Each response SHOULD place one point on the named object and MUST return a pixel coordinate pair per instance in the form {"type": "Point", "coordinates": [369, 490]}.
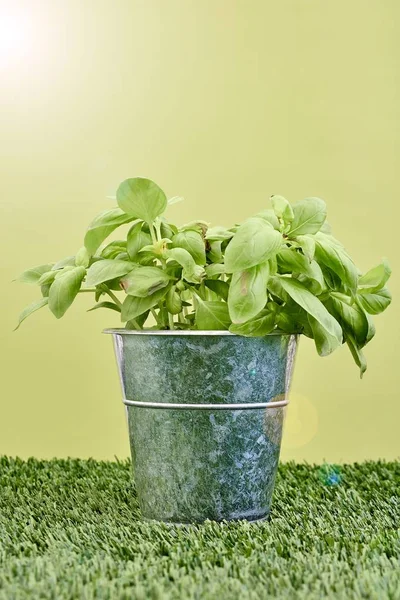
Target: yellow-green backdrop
{"type": "Point", "coordinates": [224, 102]}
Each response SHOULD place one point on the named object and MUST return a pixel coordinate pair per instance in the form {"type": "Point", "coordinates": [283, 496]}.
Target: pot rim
{"type": "Point", "coordinates": [202, 332]}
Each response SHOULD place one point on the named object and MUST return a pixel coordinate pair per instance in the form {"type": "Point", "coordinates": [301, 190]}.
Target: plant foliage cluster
{"type": "Point", "coordinates": [281, 270]}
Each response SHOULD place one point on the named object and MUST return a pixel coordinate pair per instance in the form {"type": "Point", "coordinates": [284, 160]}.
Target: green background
{"type": "Point", "coordinates": [224, 102]}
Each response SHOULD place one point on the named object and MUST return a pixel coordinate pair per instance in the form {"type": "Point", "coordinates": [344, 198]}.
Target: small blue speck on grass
{"type": "Point", "coordinates": [330, 475]}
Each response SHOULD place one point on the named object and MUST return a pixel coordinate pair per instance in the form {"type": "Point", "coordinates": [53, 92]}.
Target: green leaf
{"type": "Point", "coordinates": [175, 200]}
{"type": "Point", "coordinates": [167, 230]}
{"type": "Point", "coordinates": [352, 319]}
{"type": "Point", "coordinates": [218, 234]}
{"type": "Point", "coordinates": [173, 301]}
{"type": "Point", "coordinates": [357, 354]}
{"type": "Point", "coordinates": [248, 293]}
{"type": "Point", "coordinates": [307, 244]}
{"type": "Point", "coordinates": [192, 242]}
{"type": "Point", "coordinates": [144, 281]}
{"type": "Point", "coordinates": [107, 269]}
{"type": "Point", "coordinates": [45, 289]}
{"type": "Point", "coordinates": [261, 325]}
{"type": "Point", "coordinates": [282, 209]}
{"type": "Point", "coordinates": [269, 216]}
{"type": "Point", "coordinates": [141, 198]}
{"type": "Point", "coordinates": [64, 290]}
{"type": "Point", "coordinates": [215, 252]}
{"type": "Point", "coordinates": [292, 261]}
{"type": "Point", "coordinates": [69, 261]}
{"type": "Point", "coordinates": [254, 242]}
{"type": "Point", "coordinates": [198, 226]}
{"type": "Point", "coordinates": [212, 315]}
{"type": "Point", "coordinates": [101, 227]}
{"type": "Point", "coordinates": [325, 342]}
{"type": "Point", "coordinates": [309, 216]}
{"type": "Point", "coordinates": [215, 269]}
{"type": "Point", "coordinates": [337, 260]}
{"type": "Point", "coordinates": [137, 239]}
{"type": "Point", "coordinates": [221, 288]}
{"type": "Point", "coordinates": [82, 258]}
{"type": "Point", "coordinates": [133, 306]}
{"type": "Point", "coordinates": [47, 278]}
{"type": "Point", "coordinates": [34, 274]}
{"type": "Point", "coordinates": [300, 294]}
{"type": "Point", "coordinates": [191, 272]}
{"type": "Point", "coordinates": [31, 309]}
{"type": "Point", "coordinates": [110, 305]}
{"type": "Point", "coordinates": [376, 278]}
{"type": "Point", "coordinates": [375, 303]}
{"type": "Point", "coordinates": [113, 249]}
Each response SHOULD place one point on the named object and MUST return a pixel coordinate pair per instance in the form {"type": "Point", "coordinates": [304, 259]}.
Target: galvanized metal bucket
{"type": "Point", "coordinates": [205, 414]}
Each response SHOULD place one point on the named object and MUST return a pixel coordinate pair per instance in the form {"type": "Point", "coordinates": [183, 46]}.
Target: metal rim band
{"type": "Point", "coordinates": [250, 406]}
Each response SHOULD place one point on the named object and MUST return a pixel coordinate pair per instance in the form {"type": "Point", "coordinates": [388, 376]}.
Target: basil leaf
{"type": "Point", "coordinates": [34, 274]}
{"type": "Point", "coordinates": [137, 239]}
{"type": "Point", "coordinates": [337, 260]}
{"type": "Point", "coordinates": [291, 317]}
{"type": "Point", "coordinates": [300, 294]}
{"type": "Point", "coordinates": [110, 305]}
{"type": "Point", "coordinates": [218, 234]}
{"type": "Point", "coordinates": [376, 302]}
{"type": "Point", "coordinates": [214, 269]}
{"type": "Point", "coordinates": [175, 200]}
{"type": "Point", "coordinates": [113, 249]}
{"type": "Point", "coordinates": [309, 216]}
{"type": "Point", "coordinates": [69, 261]}
{"type": "Point", "coordinates": [215, 253]}
{"type": "Point", "coordinates": [269, 216]}
{"type": "Point", "coordinates": [133, 306]}
{"type": "Point", "coordinates": [144, 281]}
{"type": "Point", "coordinates": [307, 244]}
{"type": "Point", "coordinates": [167, 230]}
{"type": "Point", "coordinates": [101, 227]}
{"type": "Point", "coordinates": [352, 319]}
{"type": "Point", "coordinates": [31, 309]}
{"type": "Point", "coordinates": [64, 290]}
{"type": "Point", "coordinates": [248, 293]}
{"type": "Point", "coordinates": [325, 342]}
{"type": "Point", "coordinates": [191, 272]}
{"type": "Point", "coordinates": [357, 354]}
{"type": "Point", "coordinates": [282, 209]}
{"type": "Point", "coordinates": [291, 261]}
{"type": "Point", "coordinates": [212, 315]}
{"type": "Point", "coordinates": [173, 301]}
{"type": "Point", "coordinates": [141, 198]}
{"type": "Point", "coordinates": [192, 242]}
{"type": "Point", "coordinates": [82, 258]}
{"type": "Point", "coordinates": [261, 325]}
{"type": "Point", "coordinates": [375, 278]}
{"type": "Point", "coordinates": [47, 278]}
{"type": "Point", "coordinates": [254, 242]}
{"type": "Point", "coordinates": [221, 288]}
{"type": "Point", "coordinates": [107, 269]}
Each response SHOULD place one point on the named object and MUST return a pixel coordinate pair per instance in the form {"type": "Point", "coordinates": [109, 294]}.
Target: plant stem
{"type": "Point", "coordinates": [114, 297]}
{"type": "Point", "coordinates": [155, 315]}
{"type": "Point", "coordinates": [86, 290]}
{"type": "Point", "coordinates": [171, 321]}
{"type": "Point", "coordinates": [152, 233]}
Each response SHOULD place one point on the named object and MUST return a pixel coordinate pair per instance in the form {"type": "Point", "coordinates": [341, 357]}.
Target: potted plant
{"type": "Point", "coordinates": [211, 319]}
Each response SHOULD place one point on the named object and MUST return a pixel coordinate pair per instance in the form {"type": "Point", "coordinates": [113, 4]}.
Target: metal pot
{"type": "Point", "coordinates": [205, 414]}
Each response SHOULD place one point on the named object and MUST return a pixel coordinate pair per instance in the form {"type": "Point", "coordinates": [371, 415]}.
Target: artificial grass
{"type": "Point", "coordinates": [70, 529]}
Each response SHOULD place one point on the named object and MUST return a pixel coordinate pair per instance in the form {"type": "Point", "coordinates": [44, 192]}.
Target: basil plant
{"type": "Point", "coordinates": [280, 271]}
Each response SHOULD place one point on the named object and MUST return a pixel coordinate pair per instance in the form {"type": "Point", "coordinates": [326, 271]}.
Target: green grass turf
{"type": "Point", "coordinates": [71, 529]}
